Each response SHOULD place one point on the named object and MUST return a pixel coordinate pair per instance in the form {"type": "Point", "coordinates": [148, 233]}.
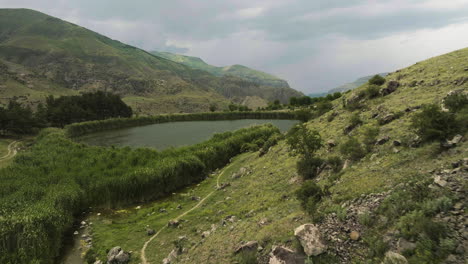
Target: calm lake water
{"type": "Point", "coordinates": [175, 134]}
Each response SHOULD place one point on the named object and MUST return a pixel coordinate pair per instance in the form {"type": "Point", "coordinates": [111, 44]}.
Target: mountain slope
{"type": "Point", "coordinates": [234, 70]}
{"type": "Point", "coordinates": [377, 197]}
{"type": "Point", "coordinates": [41, 55]}
{"type": "Point", "coordinates": [352, 85]}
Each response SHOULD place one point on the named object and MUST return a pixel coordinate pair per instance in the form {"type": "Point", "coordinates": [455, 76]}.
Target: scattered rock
{"type": "Point", "coordinates": [387, 119]}
{"type": "Point", "coordinates": [195, 198]}
{"type": "Point", "coordinates": [76, 233]}
{"type": "Point", "coordinates": [283, 255]}
{"type": "Point", "coordinates": [354, 235]}
{"type": "Point", "coordinates": [118, 256]}
{"type": "Point", "coordinates": [382, 140]}
{"type": "Point", "coordinates": [205, 234]}
{"type": "Point", "coordinates": [394, 258]}
{"type": "Point", "coordinates": [311, 239]}
{"type": "Point", "coordinates": [162, 210]}
{"type": "Point", "coordinates": [138, 207]}
{"type": "Point", "coordinates": [453, 142]}
{"type": "Point", "coordinates": [150, 232]}
{"type": "Point", "coordinates": [249, 246]}
{"type": "Point", "coordinates": [396, 143]}
{"type": "Point", "coordinates": [173, 223]}
{"type": "Point", "coordinates": [331, 143]}
{"type": "Point", "coordinates": [391, 87]}
{"type": "Point", "coordinates": [404, 245]}
{"type": "Point", "coordinates": [439, 181]}
{"type": "Point", "coordinates": [179, 206]}
{"type": "Point", "coordinates": [263, 221]}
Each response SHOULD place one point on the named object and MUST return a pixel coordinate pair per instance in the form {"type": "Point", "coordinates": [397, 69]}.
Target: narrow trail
{"type": "Point", "coordinates": [11, 151]}
{"type": "Point", "coordinates": [143, 249]}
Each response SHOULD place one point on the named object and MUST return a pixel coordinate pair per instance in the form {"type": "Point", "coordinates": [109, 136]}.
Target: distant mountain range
{"type": "Point", "coordinates": [234, 70]}
{"type": "Point", "coordinates": [42, 55]}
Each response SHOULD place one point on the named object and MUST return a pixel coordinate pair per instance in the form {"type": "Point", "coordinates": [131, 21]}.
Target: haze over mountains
{"type": "Point", "coordinates": [42, 55]}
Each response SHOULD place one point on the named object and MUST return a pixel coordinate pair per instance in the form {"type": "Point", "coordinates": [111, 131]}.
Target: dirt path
{"type": "Point", "coordinates": [143, 249]}
{"type": "Point", "coordinates": [11, 151]}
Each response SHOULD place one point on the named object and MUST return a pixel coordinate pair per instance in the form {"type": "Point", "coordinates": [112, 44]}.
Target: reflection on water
{"type": "Point", "coordinates": [175, 134]}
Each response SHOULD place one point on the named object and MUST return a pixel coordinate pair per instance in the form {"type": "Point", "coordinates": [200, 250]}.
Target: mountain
{"type": "Point", "coordinates": [42, 55]}
{"type": "Point", "coordinates": [243, 72]}
{"type": "Point", "coordinates": [352, 85]}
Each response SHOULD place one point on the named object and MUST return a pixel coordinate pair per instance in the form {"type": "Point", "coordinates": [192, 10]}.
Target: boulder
{"type": "Point", "coordinates": [195, 198]}
{"type": "Point", "coordinates": [387, 119]}
{"type": "Point", "coordinates": [249, 246]}
{"type": "Point", "coordinates": [172, 256]}
{"type": "Point", "coordinates": [439, 181]}
{"type": "Point", "coordinates": [453, 142]}
{"type": "Point", "coordinates": [354, 235]}
{"type": "Point", "coordinates": [331, 143]}
{"type": "Point", "coordinates": [205, 234]}
{"type": "Point", "coordinates": [150, 232]}
{"type": "Point", "coordinates": [382, 140]}
{"type": "Point", "coordinates": [404, 245]}
{"type": "Point", "coordinates": [173, 223]}
{"type": "Point", "coordinates": [311, 239]}
{"type": "Point", "coordinates": [283, 255]}
{"type": "Point", "coordinates": [396, 143]}
{"type": "Point", "coordinates": [117, 256]}
{"type": "Point", "coordinates": [391, 87]}
{"type": "Point", "coordinates": [394, 258]}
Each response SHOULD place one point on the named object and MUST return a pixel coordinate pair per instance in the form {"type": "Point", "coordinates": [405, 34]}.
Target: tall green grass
{"type": "Point", "coordinates": [79, 129]}
{"type": "Point", "coordinates": [57, 178]}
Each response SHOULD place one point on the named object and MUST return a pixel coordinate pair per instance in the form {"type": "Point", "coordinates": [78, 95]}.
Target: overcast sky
{"type": "Point", "coordinates": [314, 44]}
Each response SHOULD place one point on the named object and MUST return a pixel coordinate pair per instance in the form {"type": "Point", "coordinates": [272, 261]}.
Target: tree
{"type": "Point", "coordinates": [306, 142]}
{"type": "Point", "coordinates": [213, 107]}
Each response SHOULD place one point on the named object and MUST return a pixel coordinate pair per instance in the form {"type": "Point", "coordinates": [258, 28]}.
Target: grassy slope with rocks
{"type": "Point", "coordinates": [353, 85]}
{"type": "Point", "coordinates": [235, 70]}
{"type": "Point", "coordinates": [41, 55]}
{"type": "Point", "coordinates": [380, 196]}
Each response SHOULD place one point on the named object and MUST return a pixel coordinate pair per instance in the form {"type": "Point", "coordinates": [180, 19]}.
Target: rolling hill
{"type": "Point", "coordinates": [42, 55]}
{"type": "Point", "coordinates": [352, 85]}
{"type": "Point", "coordinates": [240, 71]}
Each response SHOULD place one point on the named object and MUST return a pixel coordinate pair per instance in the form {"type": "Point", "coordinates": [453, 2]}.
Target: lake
{"type": "Point", "coordinates": [174, 134]}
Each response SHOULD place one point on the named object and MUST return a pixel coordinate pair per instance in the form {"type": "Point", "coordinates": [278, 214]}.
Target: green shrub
{"type": "Point", "coordinates": [414, 224]}
{"type": "Point", "coordinates": [335, 162]}
{"type": "Point", "coordinates": [434, 124]}
{"type": "Point", "coordinates": [370, 135]}
{"type": "Point", "coordinates": [366, 219]}
{"type": "Point", "coordinates": [309, 195]}
{"type": "Point", "coordinates": [372, 91]}
{"type": "Point", "coordinates": [304, 141]}
{"type": "Point", "coordinates": [352, 149]}
{"type": "Point", "coordinates": [303, 115]}
{"type": "Point", "coordinates": [355, 120]}
{"type": "Point", "coordinates": [377, 80]}
{"type": "Point", "coordinates": [456, 102]}
{"type": "Point", "coordinates": [309, 167]}
{"type": "Point", "coordinates": [323, 107]}
{"type": "Point", "coordinates": [432, 207]}
{"type": "Point", "coordinates": [377, 247]}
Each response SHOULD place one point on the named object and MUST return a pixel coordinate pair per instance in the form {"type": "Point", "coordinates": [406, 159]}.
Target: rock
{"type": "Point", "coordinates": [283, 255]}
{"type": "Point", "coordinates": [439, 181]}
{"type": "Point", "coordinates": [348, 129]}
{"type": "Point", "coordinates": [223, 186]}
{"type": "Point", "coordinates": [391, 87]}
{"type": "Point", "coordinates": [382, 140]}
{"type": "Point", "coordinates": [83, 223]}
{"type": "Point", "coordinates": [396, 143]}
{"type": "Point", "coordinates": [263, 221]}
{"type": "Point", "coordinates": [117, 256]}
{"type": "Point", "coordinates": [179, 206]}
{"type": "Point", "coordinates": [138, 207]}
{"type": "Point", "coordinates": [387, 119]}
{"type": "Point", "coordinates": [76, 233]}
{"type": "Point", "coordinates": [453, 142]}
{"type": "Point", "coordinates": [205, 234]}
{"type": "Point", "coordinates": [331, 143]}
{"type": "Point", "coordinates": [346, 164]}
{"type": "Point", "coordinates": [311, 239]}
{"type": "Point", "coordinates": [195, 198]}
{"type": "Point", "coordinates": [173, 223]}
{"type": "Point", "coordinates": [354, 235]}
{"type": "Point", "coordinates": [162, 210]}
{"type": "Point", "coordinates": [98, 262]}
{"type": "Point", "coordinates": [249, 246]}
{"type": "Point", "coordinates": [395, 150]}
{"type": "Point", "coordinates": [451, 259]}
{"type": "Point", "coordinates": [394, 258]}
{"type": "Point", "coordinates": [404, 245]}
{"type": "Point", "coordinates": [150, 232]}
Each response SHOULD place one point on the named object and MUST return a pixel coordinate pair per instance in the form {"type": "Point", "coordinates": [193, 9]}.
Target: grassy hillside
{"type": "Point", "coordinates": [388, 197]}
{"type": "Point", "coordinates": [352, 85]}
{"type": "Point", "coordinates": [41, 55]}
{"type": "Point", "coordinates": [234, 70]}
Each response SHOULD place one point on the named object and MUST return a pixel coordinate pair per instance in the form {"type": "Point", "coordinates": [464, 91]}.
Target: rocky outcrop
{"type": "Point", "coordinates": [391, 87]}
{"type": "Point", "coordinates": [248, 246]}
{"type": "Point", "coordinates": [453, 142]}
{"type": "Point", "coordinates": [394, 258]}
{"type": "Point", "coordinates": [117, 256]}
{"type": "Point", "coordinates": [283, 255]}
{"type": "Point", "coordinates": [311, 239]}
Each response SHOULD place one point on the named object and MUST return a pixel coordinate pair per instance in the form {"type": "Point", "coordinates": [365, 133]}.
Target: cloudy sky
{"type": "Point", "coordinates": [314, 44]}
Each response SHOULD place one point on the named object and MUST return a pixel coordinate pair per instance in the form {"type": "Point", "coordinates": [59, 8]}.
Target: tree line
{"type": "Point", "coordinates": [58, 112]}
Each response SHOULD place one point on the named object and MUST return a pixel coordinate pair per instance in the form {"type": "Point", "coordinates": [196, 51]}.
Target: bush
{"type": "Point", "coordinates": [370, 137]}
{"type": "Point", "coordinates": [377, 80]}
{"type": "Point", "coordinates": [336, 163]}
{"type": "Point", "coordinates": [306, 142]}
{"type": "Point", "coordinates": [352, 149]}
{"type": "Point", "coordinates": [372, 91]}
{"type": "Point", "coordinates": [432, 207]}
{"type": "Point", "coordinates": [456, 102]}
{"type": "Point", "coordinates": [303, 115]}
{"type": "Point", "coordinates": [415, 224]}
{"type": "Point", "coordinates": [309, 167]}
{"type": "Point", "coordinates": [247, 257]}
{"type": "Point", "coordinates": [309, 195]}
{"type": "Point", "coordinates": [434, 124]}
{"type": "Point", "coordinates": [323, 107]}
{"type": "Point", "coordinates": [355, 120]}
